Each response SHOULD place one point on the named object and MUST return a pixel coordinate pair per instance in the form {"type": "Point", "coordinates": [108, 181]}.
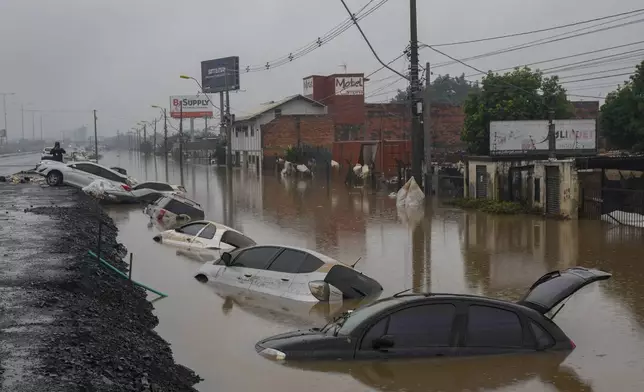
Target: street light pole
{"type": "Point", "coordinates": [95, 137]}
{"type": "Point", "coordinates": [181, 140]}
{"type": "Point", "coordinates": [33, 125]}
{"type": "Point", "coordinates": [4, 110]}
{"type": "Point", "coordinates": [22, 110]}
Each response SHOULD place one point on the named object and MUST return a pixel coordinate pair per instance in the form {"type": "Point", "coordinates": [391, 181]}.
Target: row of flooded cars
{"type": "Point", "coordinates": [404, 325]}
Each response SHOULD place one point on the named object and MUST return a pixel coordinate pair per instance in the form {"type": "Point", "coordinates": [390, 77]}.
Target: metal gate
{"type": "Point", "coordinates": [553, 187]}
{"type": "Point", "coordinates": [515, 185]}
{"type": "Point", "coordinates": [481, 182]}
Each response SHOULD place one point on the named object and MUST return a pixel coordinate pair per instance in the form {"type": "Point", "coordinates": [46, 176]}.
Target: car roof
{"type": "Point", "coordinates": [412, 297]}
{"type": "Point", "coordinates": [326, 259]}
{"type": "Point", "coordinates": [219, 226]}
{"type": "Point", "coordinates": [99, 165]}
{"type": "Point", "coordinates": [182, 199]}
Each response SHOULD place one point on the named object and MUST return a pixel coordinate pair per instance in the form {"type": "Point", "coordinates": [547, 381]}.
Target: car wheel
{"type": "Point", "coordinates": [201, 278]}
{"type": "Point", "coordinates": [54, 178]}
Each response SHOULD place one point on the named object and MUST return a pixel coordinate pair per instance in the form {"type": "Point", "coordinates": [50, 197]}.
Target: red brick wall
{"type": "Point", "coordinates": [286, 131]}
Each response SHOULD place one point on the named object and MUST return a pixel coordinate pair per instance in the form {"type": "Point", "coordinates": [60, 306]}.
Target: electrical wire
{"type": "Point", "coordinates": [598, 78]}
{"type": "Point", "coordinates": [638, 11]}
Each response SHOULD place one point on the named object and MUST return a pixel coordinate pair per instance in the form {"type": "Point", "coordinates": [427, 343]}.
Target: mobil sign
{"type": "Point", "coordinates": [190, 106]}
{"type": "Point", "coordinates": [349, 85]}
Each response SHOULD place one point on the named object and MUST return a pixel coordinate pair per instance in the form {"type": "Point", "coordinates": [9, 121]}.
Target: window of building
{"type": "Point", "coordinates": [245, 130]}
{"type": "Point", "coordinates": [252, 130]}
{"type": "Point", "coordinates": [278, 112]}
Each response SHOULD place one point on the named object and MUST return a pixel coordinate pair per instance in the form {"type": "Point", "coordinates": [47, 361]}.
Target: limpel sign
{"type": "Point", "coordinates": [190, 106]}
{"type": "Point", "coordinates": [349, 85]}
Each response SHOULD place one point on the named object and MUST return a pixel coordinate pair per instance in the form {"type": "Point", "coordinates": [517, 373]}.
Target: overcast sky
{"type": "Point", "coordinates": [119, 57]}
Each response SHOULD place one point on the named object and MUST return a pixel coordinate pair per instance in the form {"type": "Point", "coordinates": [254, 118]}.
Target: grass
{"type": "Point", "coordinates": [494, 206]}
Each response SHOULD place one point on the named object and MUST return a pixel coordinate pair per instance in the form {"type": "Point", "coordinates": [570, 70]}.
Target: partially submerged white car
{"type": "Point", "coordinates": [288, 272]}
{"type": "Point", "coordinates": [204, 235]}
{"type": "Point", "coordinates": [146, 192]}
{"type": "Point", "coordinates": [81, 174]}
{"type": "Point", "coordinates": [170, 211]}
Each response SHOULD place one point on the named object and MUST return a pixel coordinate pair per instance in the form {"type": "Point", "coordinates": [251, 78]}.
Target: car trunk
{"type": "Point", "coordinates": [554, 287]}
{"type": "Point", "coordinates": [352, 283]}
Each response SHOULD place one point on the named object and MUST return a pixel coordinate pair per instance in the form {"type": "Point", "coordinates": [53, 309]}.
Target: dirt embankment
{"type": "Point", "coordinates": [66, 322]}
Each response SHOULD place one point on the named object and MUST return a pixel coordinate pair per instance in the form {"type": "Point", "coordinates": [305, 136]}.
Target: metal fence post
{"type": "Point", "coordinates": [129, 274]}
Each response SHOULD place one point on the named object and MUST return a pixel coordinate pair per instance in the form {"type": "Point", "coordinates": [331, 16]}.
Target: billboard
{"type": "Point", "coordinates": [194, 106]}
{"type": "Point", "coordinates": [220, 74]}
{"type": "Point", "coordinates": [349, 85]}
{"type": "Point", "coordinates": [307, 89]}
{"type": "Point", "coordinates": [575, 136]}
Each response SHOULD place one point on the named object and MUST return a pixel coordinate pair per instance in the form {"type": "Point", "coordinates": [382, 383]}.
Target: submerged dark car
{"type": "Point", "coordinates": [437, 325]}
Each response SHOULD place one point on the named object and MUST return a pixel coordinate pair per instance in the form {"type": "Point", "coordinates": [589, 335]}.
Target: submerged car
{"type": "Point", "coordinates": [146, 192]}
{"type": "Point", "coordinates": [440, 325]}
{"type": "Point", "coordinates": [288, 272]}
{"type": "Point", "coordinates": [174, 210]}
{"type": "Point", "coordinates": [204, 235]}
{"type": "Point", "coordinates": [81, 174]}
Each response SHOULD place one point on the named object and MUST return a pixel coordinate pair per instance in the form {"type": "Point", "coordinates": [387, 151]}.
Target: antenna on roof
{"type": "Point", "coordinates": [410, 289]}
{"type": "Point", "coordinates": [343, 66]}
{"type": "Point", "coordinates": [354, 264]}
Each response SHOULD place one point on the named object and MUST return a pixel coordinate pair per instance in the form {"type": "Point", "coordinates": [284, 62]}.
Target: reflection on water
{"type": "Point", "coordinates": [439, 249]}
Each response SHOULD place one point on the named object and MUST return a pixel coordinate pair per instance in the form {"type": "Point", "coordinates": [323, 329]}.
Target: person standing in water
{"type": "Point", "coordinates": [57, 152]}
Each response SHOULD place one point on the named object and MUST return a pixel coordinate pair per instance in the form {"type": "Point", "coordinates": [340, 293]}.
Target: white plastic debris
{"type": "Point", "coordinates": [410, 194]}
{"type": "Point", "coordinates": [302, 168]}
{"type": "Point", "coordinates": [288, 169]}
{"type": "Point", "coordinates": [99, 189]}
{"type": "Point", "coordinates": [357, 169]}
{"type": "Point", "coordinates": [618, 217]}
{"type": "Point", "coordinates": [365, 171]}
{"type": "Point", "coordinates": [335, 164]}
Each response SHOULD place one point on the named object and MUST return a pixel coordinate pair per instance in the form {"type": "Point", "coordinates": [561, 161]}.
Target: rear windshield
{"type": "Point", "coordinates": [237, 240]}
{"type": "Point", "coordinates": [180, 208]}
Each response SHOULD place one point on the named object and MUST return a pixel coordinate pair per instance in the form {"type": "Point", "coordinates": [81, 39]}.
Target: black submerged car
{"type": "Point", "coordinates": [436, 325]}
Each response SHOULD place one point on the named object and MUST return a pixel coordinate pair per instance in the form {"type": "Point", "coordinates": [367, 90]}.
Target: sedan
{"type": "Point", "coordinates": [288, 272]}
{"type": "Point", "coordinates": [146, 192]}
{"type": "Point", "coordinates": [204, 235]}
{"type": "Point", "coordinates": [441, 325]}
{"type": "Point", "coordinates": [81, 174]}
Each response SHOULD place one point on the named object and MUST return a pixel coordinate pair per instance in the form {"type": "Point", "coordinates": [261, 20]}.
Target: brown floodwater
{"type": "Point", "coordinates": [441, 249]}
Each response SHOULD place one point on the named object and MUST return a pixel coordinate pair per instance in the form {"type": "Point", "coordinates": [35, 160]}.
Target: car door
{"type": "Point", "coordinates": [204, 238]}
{"type": "Point", "coordinates": [80, 175]}
{"type": "Point", "coordinates": [182, 237]}
{"type": "Point", "coordinates": [246, 264]}
{"type": "Point", "coordinates": [425, 330]}
{"type": "Point", "coordinates": [280, 274]}
{"type": "Point", "coordinates": [494, 330]}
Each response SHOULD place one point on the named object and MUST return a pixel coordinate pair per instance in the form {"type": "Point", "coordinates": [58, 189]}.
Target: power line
{"type": "Point", "coordinates": [540, 30]}
{"type": "Point", "coordinates": [595, 73]}
{"type": "Point", "coordinates": [537, 42]}
{"type": "Point", "coordinates": [597, 78]}
{"type": "Point", "coordinates": [595, 61]}
{"type": "Point", "coordinates": [328, 37]}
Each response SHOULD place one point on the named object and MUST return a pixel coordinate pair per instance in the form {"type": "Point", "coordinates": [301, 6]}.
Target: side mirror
{"type": "Point", "coordinates": [226, 258]}
{"type": "Point", "coordinates": [383, 342]}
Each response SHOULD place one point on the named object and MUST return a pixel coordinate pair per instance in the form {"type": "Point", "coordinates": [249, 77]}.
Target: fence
{"type": "Point", "coordinates": [611, 194]}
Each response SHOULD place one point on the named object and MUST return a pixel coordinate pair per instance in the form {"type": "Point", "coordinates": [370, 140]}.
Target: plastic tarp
{"type": "Point", "coordinates": [410, 195]}
{"type": "Point", "coordinates": [99, 189]}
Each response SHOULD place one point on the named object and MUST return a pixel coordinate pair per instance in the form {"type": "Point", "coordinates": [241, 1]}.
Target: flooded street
{"type": "Point", "coordinates": [448, 250]}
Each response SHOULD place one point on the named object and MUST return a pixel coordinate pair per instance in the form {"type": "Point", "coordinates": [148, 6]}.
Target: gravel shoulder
{"type": "Point", "coordinates": [66, 322]}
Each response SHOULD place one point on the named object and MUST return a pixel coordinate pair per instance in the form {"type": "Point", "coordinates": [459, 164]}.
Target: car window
{"type": "Point", "coordinates": [310, 264]}
{"type": "Point", "coordinates": [363, 313]}
{"type": "Point", "coordinates": [288, 261]}
{"type": "Point", "coordinates": [257, 258]}
{"type": "Point", "coordinates": [109, 175]}
{"type": "Point", "coordinates": [208, 232]}
{"type": "Point", "coordinates": [87, 168]}
{"type": "Point", "coordinates": [422, 326]}
{"type": "Point", "coordinates": [377, 330]}
{"type": "Point", "coordinates": [237, 240]}
{"type": "Point", "coordinates": [544, 340]}
{"type": "Point", "coordinates": [191, 229]}
{"type": "Point", "coordinates": [493, 327]}
{"type": "Point", "coordinates": [179, 208]}
{"type": "Point", "coordinates": [156, 186]}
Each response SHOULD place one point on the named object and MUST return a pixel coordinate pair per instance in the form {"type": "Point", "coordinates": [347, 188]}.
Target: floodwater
{"type": "Point", "coordinates": [447, 250]}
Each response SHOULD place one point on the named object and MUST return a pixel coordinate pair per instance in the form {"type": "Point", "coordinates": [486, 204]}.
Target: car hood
{"type": "Point", "coordinates": [309, 340]}
{"type": "Point", "coordinates": [554, 287]}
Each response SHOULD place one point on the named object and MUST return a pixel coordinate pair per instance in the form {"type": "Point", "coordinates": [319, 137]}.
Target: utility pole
{"type": "Point", "coordinates": [552, 140]}
{"type": "Point", "coordinates": [22, 110]}
{"type": "Point", "coordinates": [416, 127]}
{"type": "Point", "coordinates": [4, 110]}
{"type": "Point", "coordinates": [428, 132]}
{"type": "Point", "coordinates": [154, 147]}
{"type": "Point", "coordinates": [229, 134]}
{"type": "Point", "coordinates": [222, 128]}
{"type": "Point", "coordinates": [33, 125]}
{"type": "Point", "coordinates": [41, 138]}
{"type": "Point", "coordinates": [145, 139]}
{"type": "Point", "coordinates": [181, 140]}
{"type": "Point", "coordinates": [95, 137]}
{"type": "Point", "coordinates": [165, 137]}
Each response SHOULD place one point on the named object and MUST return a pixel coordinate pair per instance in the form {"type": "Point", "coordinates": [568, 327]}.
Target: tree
{"type": "Point", "coordinates": [522, 94]}
{"type": "Point", "coordinates": [444, 89]}
{"type": "Point", "coordinates": [622, 115]}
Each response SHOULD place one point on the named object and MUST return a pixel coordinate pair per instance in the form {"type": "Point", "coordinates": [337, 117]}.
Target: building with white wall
{"type": "Point", "coordinates": [246, 136]}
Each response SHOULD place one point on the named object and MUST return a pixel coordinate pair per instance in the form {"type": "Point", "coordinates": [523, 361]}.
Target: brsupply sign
{"type": "Point", "coordinates": [349, 85]}
{"type": "Point", "coordinates": [525, 136]}
{"type": "Point", "coordinates": [190, 106]}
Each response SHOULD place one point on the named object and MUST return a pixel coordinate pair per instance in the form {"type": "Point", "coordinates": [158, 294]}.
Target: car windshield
{"type": "Point", "coordinates": [345, 324]}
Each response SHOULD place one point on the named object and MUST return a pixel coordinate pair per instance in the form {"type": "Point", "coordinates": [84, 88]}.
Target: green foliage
{"type": "Point", "coordinates": [291, 154]}
{"type": "Point", "coordinates": [444, 89]}
{"type": "Point", "coordinates": [522, 94]}
{"type": "Point", "coordinates": [494, 206]}
{"type": "Point", "coordinates": [622, 115]}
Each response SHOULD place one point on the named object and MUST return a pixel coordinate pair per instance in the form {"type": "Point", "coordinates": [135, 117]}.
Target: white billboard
{"type": "Point", "coordinates": [190, 106]}
{"type": "Point", "coordinates": [307, 89]}
{"type": "Point", "coordinates": [349, 85]}
{"type": "Point", "coordinates": [523, 136]}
